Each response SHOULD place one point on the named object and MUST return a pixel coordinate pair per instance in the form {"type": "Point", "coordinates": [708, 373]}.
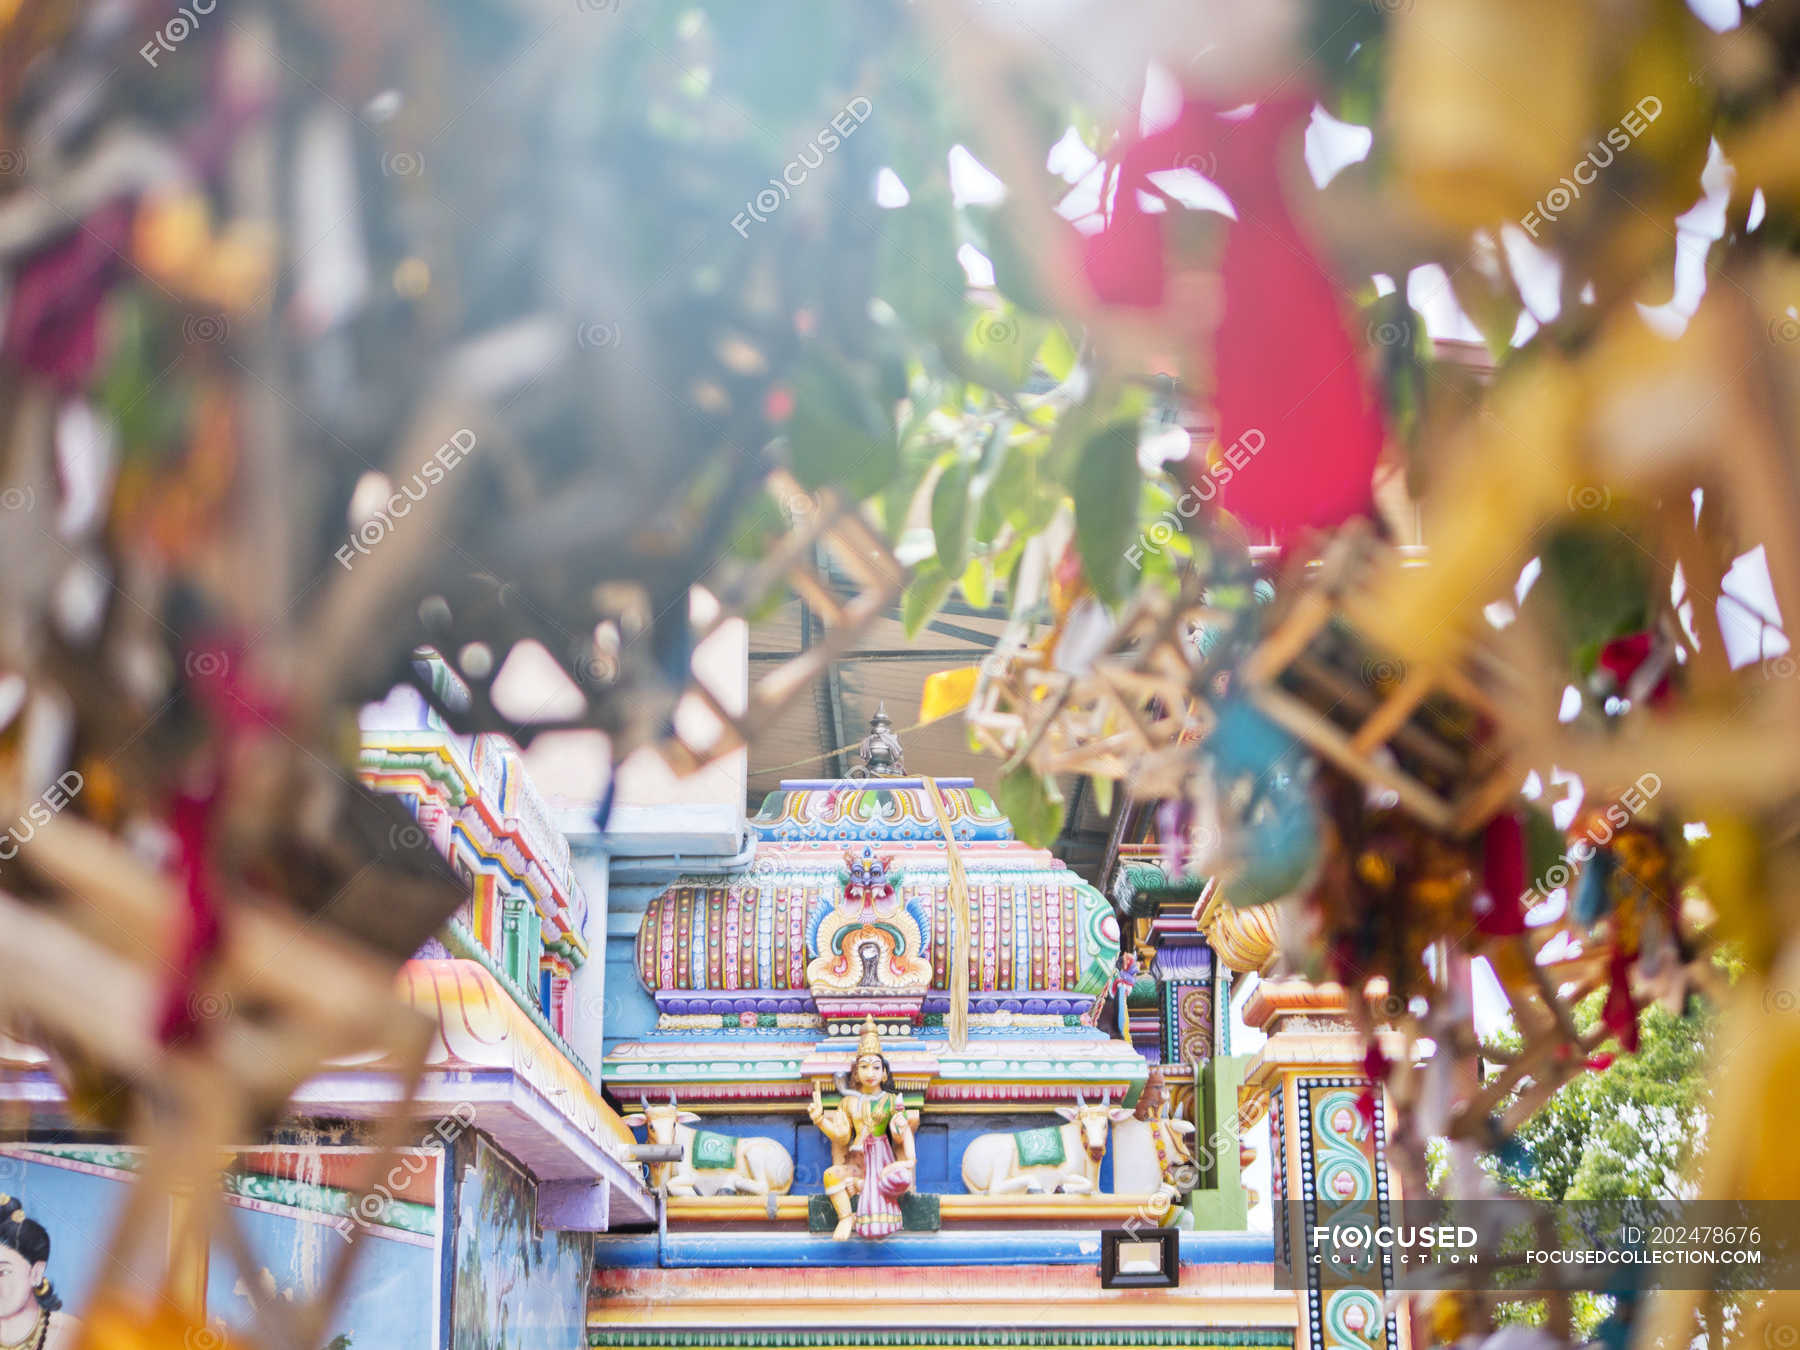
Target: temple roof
{"type": "Point", "coordinates": [896, 810]}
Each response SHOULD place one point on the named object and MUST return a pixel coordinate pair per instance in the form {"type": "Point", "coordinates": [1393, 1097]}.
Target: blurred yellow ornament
{"type": "Point", "coordinates": [1661, 62]}
{"type": "Point", "coordinates": [1449, 1318]}
{"type": "Point", "coordinates": [1489, 104]}
{"type": "Point", "coordinates": [240, 270]}
{"type": "Point", "coordinates": [1511, 466]}
{"type": "Point", "coordinates": [412, 277]}
{"type": "Point", "coordinates": [173, 242]}
{"type": "Point", "coordinates": [1763, 154]}
{"type": "Point", "coordinates": [947, 691]}
{"type": "Point", "coordinates": [113, 1325]}
{"type": "Point", "coordinates": [170, 235]}
{"type": "Point", "coordinates": [1730, 867]}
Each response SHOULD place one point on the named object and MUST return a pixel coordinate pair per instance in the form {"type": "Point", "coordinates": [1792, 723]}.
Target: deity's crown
{"type": "Point", "coordinates": [869, 1043]}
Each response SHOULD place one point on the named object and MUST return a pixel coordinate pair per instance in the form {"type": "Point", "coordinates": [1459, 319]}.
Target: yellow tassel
{"type": "Point", "coordinates": [957, 1024]}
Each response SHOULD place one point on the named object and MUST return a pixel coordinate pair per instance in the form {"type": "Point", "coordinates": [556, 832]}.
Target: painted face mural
{"type": "Point", "coordinates": [17, 1276]}
{"type": "Point", "coordinates": [30, 1311]}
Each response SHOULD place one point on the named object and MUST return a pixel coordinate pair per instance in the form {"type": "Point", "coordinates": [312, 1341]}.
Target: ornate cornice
{"type": "Point", "coordinates": [1245, 939]}
{"type": "Point", "coordinates": [490, 1066]}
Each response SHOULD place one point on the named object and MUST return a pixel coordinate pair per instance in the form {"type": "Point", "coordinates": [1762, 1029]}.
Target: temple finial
{"type": "Point", "coordinates": [880, 754]}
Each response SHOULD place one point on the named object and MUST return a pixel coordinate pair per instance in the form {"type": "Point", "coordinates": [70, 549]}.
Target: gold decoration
{"type": "Point", "coordinates": [869, 1043]}
{"type": "Point", "coordinates": [957, 1024]}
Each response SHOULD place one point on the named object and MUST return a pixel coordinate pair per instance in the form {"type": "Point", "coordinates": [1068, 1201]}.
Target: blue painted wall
{"type": "Point", "coordinates": [513, 1286]}
{"type": "Point", "coordinates": [391, 1297]}
{"type": "Point", "coordinates": [393, 1286]}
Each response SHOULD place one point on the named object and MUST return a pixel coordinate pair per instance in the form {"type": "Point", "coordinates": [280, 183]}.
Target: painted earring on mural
{"type": "Point", "coordinates": [43, 1286]}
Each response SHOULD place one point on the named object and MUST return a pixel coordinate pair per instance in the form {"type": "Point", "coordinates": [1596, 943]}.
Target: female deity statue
{"type": "Point", "coordinates": [871, 1144]}
{"type": "Point", "coordinates": [31, 1316]}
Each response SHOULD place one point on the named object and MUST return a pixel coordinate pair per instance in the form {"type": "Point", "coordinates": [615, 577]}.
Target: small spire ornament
{"type": "Point", "coordinates": [880, 755]}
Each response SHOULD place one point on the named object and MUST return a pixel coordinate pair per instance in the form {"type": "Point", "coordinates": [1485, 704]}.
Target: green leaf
{"type": "Point", "coordinates": [923, 598]}
{"type": "Point", "coordinates": [988, 515]}
{"type": "Point", "coordinates": [978, 583]}
{"type": "Point", "coordinates": [1103, 794]}
{"type": "Point", "coordinates": [1058, 354]}
{"type": "Point", "coordinates": [838, 434]}
{"type": "Point", "coordinates": [1021, 493]}
{"type": "Point", "coordinates": [950, 515]}
{"type": "Point", "coordinates": [1033, 804]}
{"type": "Point", "coordinates": [1597, 575]}
{"type": "Point", "coordinates": [1106, 497]}
{"type": "Point", "coordinates": [918, 272]}
{"type": "Point", "coordinates": [1014, 275]}
{"type": "Point", "coordinates": [1544, 843]}
{"type": "Point", "coordinates": [1002, 346]}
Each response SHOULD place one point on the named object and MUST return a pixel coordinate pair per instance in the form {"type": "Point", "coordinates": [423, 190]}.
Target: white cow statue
{"type": "Point", "coordinates": [1062, 1158]}
{"type": "Point", "coordinates": [1153, 1157]}
{"type": "Point", "coordinates": [711, 1163]}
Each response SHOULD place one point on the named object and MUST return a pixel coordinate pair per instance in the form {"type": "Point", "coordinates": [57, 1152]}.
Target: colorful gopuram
{"type": "Point", "coordinates": [856, 1147]}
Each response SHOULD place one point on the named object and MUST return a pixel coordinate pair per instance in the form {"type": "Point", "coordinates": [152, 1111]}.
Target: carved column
{"type": "Point", "coordinates": [1327, 1153]}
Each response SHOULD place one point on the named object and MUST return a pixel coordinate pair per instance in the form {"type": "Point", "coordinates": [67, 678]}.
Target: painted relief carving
{"type": "Point", "coordinates": [869, 949]}
{"type": "Point", "coordinates": [873, 1161]}
{"type": "Point", "coordinates": [1064, 1158]}
{"type": "Point", "coordinates": [710, 1163]}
